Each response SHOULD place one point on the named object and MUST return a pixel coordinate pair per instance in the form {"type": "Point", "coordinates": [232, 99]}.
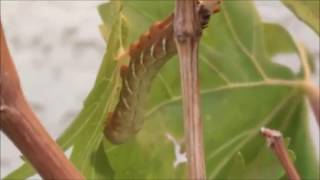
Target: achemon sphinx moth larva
{"type": "Point", "coordinates": [147, 55]}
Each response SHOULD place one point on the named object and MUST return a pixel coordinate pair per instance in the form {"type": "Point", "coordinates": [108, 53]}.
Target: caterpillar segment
{"type": "Point", "coordinates": [147, 55]}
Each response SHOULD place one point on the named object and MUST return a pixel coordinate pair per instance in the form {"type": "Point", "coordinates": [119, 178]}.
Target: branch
{"type": "Point", "coordinates": [187, 32]}
{"type": "Point", "coordinates": [22, 126]}
{"type": "Point", "coordinates": [276, 143]}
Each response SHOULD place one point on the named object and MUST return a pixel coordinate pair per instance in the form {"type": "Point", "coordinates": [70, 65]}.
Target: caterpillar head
{"type": "Point", "coordinates": [206, 8]}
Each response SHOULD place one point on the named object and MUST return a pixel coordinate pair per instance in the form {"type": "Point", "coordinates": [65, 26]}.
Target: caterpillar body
{"type": "Point", "coordinates": [147, 55]}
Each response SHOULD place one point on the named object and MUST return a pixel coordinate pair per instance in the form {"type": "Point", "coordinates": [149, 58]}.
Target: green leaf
{"type": "Point", "coordinates": [307, 11]}
{"type": "Point", "coordinates": [85, 133]}
{"type": "Point", "coordinates": [285, 44]}
{"type": "Point", "coordinates": [242, 90]}
{"type": "Point", "coordinates": [100, 160]}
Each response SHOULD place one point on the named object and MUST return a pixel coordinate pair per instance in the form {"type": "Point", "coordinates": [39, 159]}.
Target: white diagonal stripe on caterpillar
{"type": "Point", "coordinates": [141, 62]}
{"type": "Point", "coordinates": [164, 46]}
{"type": "Point", "coordinates": [152, 52]}
{"type": "Point", "coordinates": [128, 86]}
{"type": "Point", "coordinates": [125, 102]}
{"type": "Point", "coordinates": [134, 74]}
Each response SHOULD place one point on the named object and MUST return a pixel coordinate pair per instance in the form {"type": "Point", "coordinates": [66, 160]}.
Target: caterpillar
{"type": "Point", "coordinates": [147, 55]}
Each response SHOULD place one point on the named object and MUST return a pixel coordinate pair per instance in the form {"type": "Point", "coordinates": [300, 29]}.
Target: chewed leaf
{"type": "Point", "coordinates": [285, 45]}
{"type": "Point", "coordinates": [104, 32]}
{"type": "Point", "coordinates": [307, 11]}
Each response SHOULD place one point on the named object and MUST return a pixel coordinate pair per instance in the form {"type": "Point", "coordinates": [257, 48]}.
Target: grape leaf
{"type": "Point", "coordinates": [241, 91]}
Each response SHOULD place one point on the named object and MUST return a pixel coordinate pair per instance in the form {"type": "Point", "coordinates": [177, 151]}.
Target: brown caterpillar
{"type": "Point", "coordinates": [147, 55]}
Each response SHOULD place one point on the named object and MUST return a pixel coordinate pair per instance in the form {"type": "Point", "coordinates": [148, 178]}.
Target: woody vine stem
{"type": "Point", "coordinates": [22, 126]}
{"type": "Point", "coordinates": [276, 143]}
{"type": "Point", "coordinates": [187, 33]}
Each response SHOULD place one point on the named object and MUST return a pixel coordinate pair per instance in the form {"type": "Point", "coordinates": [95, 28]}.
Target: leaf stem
{"type": "Point", "coordinates": [310, 88]}
{"type": "Point", "coordinates": [313, 94]}
{"type": "Point", "coordinates": [276, 143]}
{"type": "Point", "coordinates": [304, 61]}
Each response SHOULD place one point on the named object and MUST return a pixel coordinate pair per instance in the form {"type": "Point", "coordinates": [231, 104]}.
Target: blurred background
{"type": "Point", "coordinates": [57, 49]}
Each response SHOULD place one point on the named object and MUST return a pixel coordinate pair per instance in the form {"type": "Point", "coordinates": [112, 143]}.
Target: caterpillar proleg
{"type": "Point", "coordinates": [147, 55]}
